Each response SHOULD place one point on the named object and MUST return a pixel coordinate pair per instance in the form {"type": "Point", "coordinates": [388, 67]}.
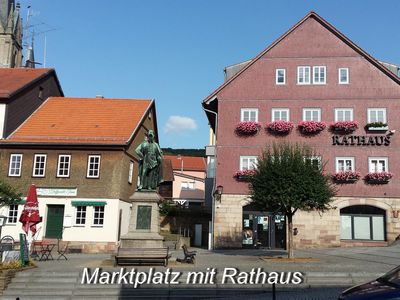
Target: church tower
{"type": "Point", "coordinates": [10, 34]}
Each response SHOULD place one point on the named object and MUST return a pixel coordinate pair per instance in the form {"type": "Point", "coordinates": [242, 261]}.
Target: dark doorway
{"type": "Point", "coordinates": [263, 229]}
{"type": "Point", "coordinates": [55, 219]}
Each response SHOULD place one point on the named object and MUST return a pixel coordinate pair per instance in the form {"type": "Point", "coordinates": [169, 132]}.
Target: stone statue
{"type": "Point", "coordinates": [150, 165]}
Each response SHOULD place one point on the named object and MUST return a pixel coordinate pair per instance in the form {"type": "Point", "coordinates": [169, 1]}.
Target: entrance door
{"type": "Point", "coordinates": [280, 232]}
{"type": "Point", "coordinates": [55, 218]}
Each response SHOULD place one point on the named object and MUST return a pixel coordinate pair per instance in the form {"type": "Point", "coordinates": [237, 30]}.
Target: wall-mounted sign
{"type": "Point", "coordinates": [361, 140]}
{"type": "Point", "coordinates": [65, 192]}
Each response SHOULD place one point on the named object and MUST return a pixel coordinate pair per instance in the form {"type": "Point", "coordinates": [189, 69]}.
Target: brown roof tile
{"type": "Point", "coordinates": [12, 80]}
{"type": "Point", "coordinates": [190, 163]}
{"type": "Point", "coordinates": [82, 121]}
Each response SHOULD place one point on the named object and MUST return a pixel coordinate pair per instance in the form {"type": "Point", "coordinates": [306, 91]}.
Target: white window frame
{"type": "Point", "coordinates": [340, 77]}
{"type": "Point", "coordinates": [14, 215]}
{"type": "Point", "coordinates": [317, 71]}
{"type": "Point", "coordinates": [15, 172]}
{"type": "Point", "coordinates": [249, 111]}
{"type": "Point", "coordinates": [84, 218]}
{"type": "Point", "coordinates": [34, 169]}
{"type": "Point", "coordinates": [130, 172]}
{"type": "Point", "coordinates": [337, 110]}
{"type": "Point", "coordinates": [385, 159]}
{"type": "Point", "coordinates": [99, 218]}
{"type": "Point", "coordinates": [280, 110]}
{"type": "Point", "coordinates": [59, 164]}
{"type": "Point", "coordinates": [277, 77]}
{"type": "Point", "coordinates": [312, 110]}
{"type": "Point", "coordinates": [377, 109]}
{"type": "Point", "coordinates": [94, 163]}
{"type": "Point", "coordinates": [314, 157]}
{"type": "Point", "coordinates": [350, 158]}
{"type": "Point", "coordinates": [188, 185]}
{"type": "Point", "coordinates": [248, 158]}
{"type": "Point", "coordinates": [302, 70]}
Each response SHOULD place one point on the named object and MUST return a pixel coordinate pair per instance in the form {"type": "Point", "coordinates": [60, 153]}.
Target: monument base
{"type": "Point", "coordinates": [144, 224]}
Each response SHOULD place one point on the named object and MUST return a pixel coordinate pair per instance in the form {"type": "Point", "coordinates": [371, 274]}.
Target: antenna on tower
{"type": "Point", "coordinates": [33, 31]}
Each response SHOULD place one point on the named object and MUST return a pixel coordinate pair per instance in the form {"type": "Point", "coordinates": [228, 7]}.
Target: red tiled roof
{"type": "Point", "coordinates": [14, 79]}
{"type": "Point", "coordinates": [190, 163]}
{"type": "Point", "coordinates": [82, 121]}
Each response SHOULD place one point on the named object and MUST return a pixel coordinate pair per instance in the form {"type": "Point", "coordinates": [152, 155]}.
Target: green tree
{"type": "Point", "coordinates": [287, 179]}
{"type": "Point", "coordinates": [8, 194]}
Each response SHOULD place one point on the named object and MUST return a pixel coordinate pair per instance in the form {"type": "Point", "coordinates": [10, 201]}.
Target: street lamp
{"type": "Point", "coordinates": [218, 193]}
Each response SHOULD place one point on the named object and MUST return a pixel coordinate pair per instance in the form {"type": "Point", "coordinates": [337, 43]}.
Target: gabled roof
{"type": "Point", "coordinates": [188, 163]}
{"type": "Point", "coordinates": [96, 121]}
{"type": "Point", "coordinates": [14, 80]}
{"type": "Point", "coordinates": [324, 23]}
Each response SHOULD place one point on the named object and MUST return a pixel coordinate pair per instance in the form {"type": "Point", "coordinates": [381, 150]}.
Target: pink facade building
{"type": "Point", "coordinates": [189, 177]}
{"type": "Point", "coordinates": [312, 73]}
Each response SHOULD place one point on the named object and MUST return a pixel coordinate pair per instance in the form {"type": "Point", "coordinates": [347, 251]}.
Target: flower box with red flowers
{"type": "Point", "coordinates": [244, 175]}
{"type": "Point", "coordinates": [280, 127]}
{"type": "Point", "coordinates": [311, 127]}
{"type": "Point", "coordinates": [344, 126]}
{"type": "Point", "coordinates": [346, 176]}
{"type": "Point", "coordinates": [378, 177]}
{"type": "Point", "coordinates": [247, 128]}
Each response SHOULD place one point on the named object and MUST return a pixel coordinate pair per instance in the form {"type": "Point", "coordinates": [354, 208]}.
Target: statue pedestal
{"type": "Point", "coordinates": [144, 224]}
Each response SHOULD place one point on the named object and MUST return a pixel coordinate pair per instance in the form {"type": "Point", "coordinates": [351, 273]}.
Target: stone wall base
{"type": "Point", "coordinates": [363, 244]}
{"type": "Point", "coordinates": [92, 247]}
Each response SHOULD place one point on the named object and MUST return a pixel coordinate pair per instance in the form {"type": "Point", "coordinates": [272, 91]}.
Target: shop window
{"type": "Point", "coordinates": [344, 164]}
{"type": "Point", "coordinates": [343, 75]}
{"type": "Point", "coordinates": [303, 75]}
{"type": "Point", "coordinates": [12, 214]}
{"type": "Point", "coordinates": [376, 115]}
{"type": "Point", "coordinates": [248, 163]}
{"type": "Point", "coordinates": [80, 215]}
{"type": "Point", "coordinates": [249, 114]}
{"type": "Point", "coordinates": [93, 167]}
{"type": "Point", "coordinates": [378, 164]}
{"type": "Point", "coordinates": [343, 114]}
{"type": "Point", "coordinates": [39, 165]}
{"type": "Point", "coordinates": [280, 76]}
{"type": "Point", "coordinates": [312, 114]}
{"type": "Point", "coordinates": [15, 165]}
{"type": "Point", "coordinates": [362, 222]}
{"type": "Point", "coordinates": [280, 114]}
{"type": "Point", "coordinates": [319, 73]}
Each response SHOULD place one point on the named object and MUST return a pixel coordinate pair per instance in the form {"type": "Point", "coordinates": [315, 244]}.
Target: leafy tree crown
{"type": "Point", "coordinates": [287, 179]}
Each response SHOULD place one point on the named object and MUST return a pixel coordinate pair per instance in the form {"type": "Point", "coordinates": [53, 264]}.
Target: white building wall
{"type": "Point", "coordinates": [2, 119]}
{"type": "Point", "coordinates": [78, 233]}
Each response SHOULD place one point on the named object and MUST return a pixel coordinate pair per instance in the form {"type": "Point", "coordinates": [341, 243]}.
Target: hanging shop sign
{"type": "Point", "coordinates": [361, 140]}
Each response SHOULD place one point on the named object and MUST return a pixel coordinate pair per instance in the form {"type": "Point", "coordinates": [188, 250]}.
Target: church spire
{"type": "Point", "coordinates": [11, 34]}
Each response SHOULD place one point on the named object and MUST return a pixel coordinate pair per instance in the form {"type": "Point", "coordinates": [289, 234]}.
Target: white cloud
{"type": "Point", "coordinates": [179, 124]}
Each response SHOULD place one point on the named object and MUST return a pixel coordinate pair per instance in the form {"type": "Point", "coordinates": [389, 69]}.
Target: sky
{"type": "Point", "coordinates": [175, 51]}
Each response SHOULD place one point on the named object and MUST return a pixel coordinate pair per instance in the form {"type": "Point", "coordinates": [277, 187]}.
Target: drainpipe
{"type": "Point", "coordinates": [210, 247]}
